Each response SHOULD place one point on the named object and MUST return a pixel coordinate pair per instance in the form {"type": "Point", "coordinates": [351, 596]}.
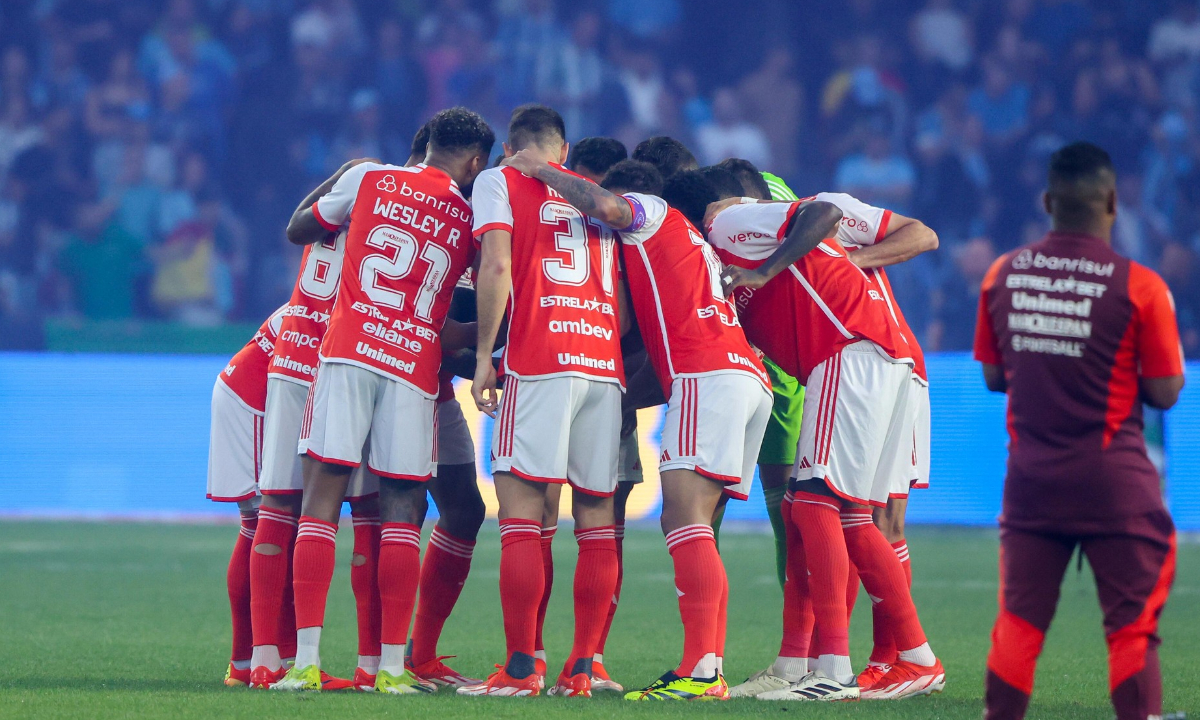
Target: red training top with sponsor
{"type": "Point", "coordinates": [246, 373]}
{"type": "Point", "coordinates": [563, 309]}
{"type": "Point", "coordinates": [674, 277]}
{"type": "Point", "coordinates": [306, 317]}
{"type": "Point", "coordinates": [1074, 325]}
{"type": "Point", "coordinates": [807, 314]}
{"type": "Point", "coordinates": [864, 225]}
{"type": "Point", "coordinates": [409, 240]}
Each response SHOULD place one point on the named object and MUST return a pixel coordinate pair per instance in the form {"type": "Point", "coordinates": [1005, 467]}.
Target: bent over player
{"type": "Point", "coordinates": [560, 417]}
{"type": "Point", "coordinates": [1079, 337]}
{"type": "Point", "coordinates": [376, 388]}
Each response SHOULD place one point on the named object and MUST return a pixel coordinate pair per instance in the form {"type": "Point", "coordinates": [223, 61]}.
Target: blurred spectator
{"type": "Point", "coordinates": [645, 19]}
{"type": "Point", "coordinates": [521, 38]}
{"type": "Point", "coordinates": [61, 82]}
{"type": "Point", "coordinates": [399, 80]}
{"type": "Point", "coordinates": [958, 300]}
{"type": "Point", "coordinates": [102, 263]}
{"type": "Point", "coordinates": [121, 94]}
{"type": "Point", "coordinates": [17, 131]}
{"type": "Point", "coordinates": [942, 33]}
{"type": "Point", "coordinates": [1001, 103]}
{"type": "Point", "coordinates": [878, 175]}
{"type": "Point", "coordinates": [773, 99]}
{"type": "Point", "coordinates": [571, 76]}
{"type": "Point", "coordinates": [1140, 232]}
{"type": "Point", "coordinates": [651, 107]}
{"type": "Point", "coordinates": [1177, 35]}
{"type": "Point", "coordinates": [1179, 269]}
{"type": "Point", "coordinates": [731, 135]}
{"type": "Point", "coordinates": [190, 283]}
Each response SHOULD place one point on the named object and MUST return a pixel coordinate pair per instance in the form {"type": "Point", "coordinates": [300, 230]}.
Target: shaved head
{"type": "Point", "coordinates": [1081, 189]}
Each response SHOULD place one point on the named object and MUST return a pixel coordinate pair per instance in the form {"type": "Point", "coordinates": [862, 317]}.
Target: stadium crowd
{"type": "Point", "coordinates": [150, 151]}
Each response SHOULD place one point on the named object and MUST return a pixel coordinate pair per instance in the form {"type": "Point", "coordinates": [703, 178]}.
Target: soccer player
{"type": "Point", "coordinates": [1079, 337]}
{"type": "Point", "coordinates": [375, 394]}
{"type": "Point", "coordinates": [591, 157]}
{"type": "Point", "coordinates": [666, 154]}
{"type": "Point", "coordinates": [719, 394]}
{"type": "Point", "coordinates": [234, 461]}
{"type": "Point", "coordinates": [559, 421]}
{"type": "Point", "coordinates": [855, 437]}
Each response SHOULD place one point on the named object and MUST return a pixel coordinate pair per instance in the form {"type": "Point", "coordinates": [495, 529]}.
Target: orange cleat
{"type": "Point", "coordinates": [363, 681]}
{"type": "Point", "coordinates": [441, 674]}
{"type": "Point", "coordinates": [262, 678]}
{"type": "Point", "coordinates": [906, 679]}
{"type": "Point", "coordinates": [330, 683]}
{"type": "Point", "coordinates": [578, 685]}
{"type": "Point", "coordinates": [236, 678]}
{"type": "Point", "coordinates": [539, 669]}
{"type": "Point", "coordinates": [601, 682]}
{"type": "Point", "coordinates": [871, 674]}
{"type": "Point", "coordinates": [501, 684]}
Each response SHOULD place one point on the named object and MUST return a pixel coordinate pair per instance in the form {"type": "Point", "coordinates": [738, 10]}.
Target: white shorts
{"type": "Point", "coordinates": [559, 429]}
{"type": "Point", "coordinates": [714, 426]}
{"type": "Point", "coordinates": [352, 412]}
{"type": "Point", "coordinates": [281, 470]}
{"type": "Point", "coordinates": [922, 420]}
{"type": "Point", "coordinates": [857, 431]}
{"type": "Point", "coordinates": [234, 448]}
{"type": "Point", "coordinates": [629, 459]}
{"type": "Point", "coordinates": [454, 443]}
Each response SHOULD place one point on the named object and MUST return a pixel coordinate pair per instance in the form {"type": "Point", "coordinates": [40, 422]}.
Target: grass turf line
{"type": "Point", "coordinates": [131, 620]}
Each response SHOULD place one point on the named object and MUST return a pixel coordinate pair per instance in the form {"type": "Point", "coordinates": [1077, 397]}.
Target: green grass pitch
{"type": "Point", "coordinates": [130, 620]}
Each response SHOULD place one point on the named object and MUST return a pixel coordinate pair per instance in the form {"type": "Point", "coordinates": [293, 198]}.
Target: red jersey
{"type": "Point", "coordinates": [1074, 326]}
{"type": "Point", "coordinates": [407, 244]}
{"type": "Point", "coordinates": [688, 326]}
{"type": "Point", "coordinates": [563, 308]}
{"type": "Point", "coordinates": [821, 304]}
{"type": "Point", "coordinates": [246, 373]}
{"type": "Point", "coordinates": [864, 225]}
{"type": "Point", "coordinates": [306, 317]}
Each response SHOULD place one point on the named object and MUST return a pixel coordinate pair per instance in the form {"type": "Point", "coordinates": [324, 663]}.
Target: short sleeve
{"type": "Point", "coordinates": [490, 201]}
{"type": "Point", "coordinates": [333, 208]}
{"type": "Point", "coordinates": [862, 224]}
{"type": "Point", "coordinates": [751, 231]}
{"type": "Point", "coordinates": [987, 347]}
{"type": "Point", "coordinates": [779, 189]}
{"type": "Point", "coordinates": [649, 211]}
{"type": "Point", "coordinates": [1159, 352]}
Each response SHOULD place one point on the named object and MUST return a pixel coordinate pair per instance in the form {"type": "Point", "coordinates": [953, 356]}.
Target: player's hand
{"type": "Point", "coordinates": [715, 209]}
{"type": "Point", "coordinates": [735, 277]}
{"type": "Point", "coordinates": [483, 387]}
{"type": "Point", "coordinates": [526, 161]}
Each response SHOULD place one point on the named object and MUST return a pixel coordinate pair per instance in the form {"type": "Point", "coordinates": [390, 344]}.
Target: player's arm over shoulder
{"type": "Point", "coordinates": [1159, 351]}
{"type": "Point", "coordinates": [324, 209]}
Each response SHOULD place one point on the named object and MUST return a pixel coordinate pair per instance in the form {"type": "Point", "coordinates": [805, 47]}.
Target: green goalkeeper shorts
{"type": "Point", "coordinates": [783, 429]}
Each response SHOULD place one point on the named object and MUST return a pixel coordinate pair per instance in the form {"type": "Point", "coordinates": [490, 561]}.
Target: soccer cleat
{"type": "Point", "coordinates": [403, 684]}
{"type": "Point", "coordinates": [906, 679]}
{"type": "Point", "coordinates": [871, 674]}
{"type": "Point", "coordinates": [539, 669]}
{"type": "Point", "coordinates": [330, 683]}
{"type": "Point", "coordinates": [235, 677]}
{"type": "Point", "coordinates": [440, 674]}
{"type": "Point", "coordinates": [601, 682]}
{"type": "Point", "coordinates": [673, 687]}
{"type": "Point", "coordinates": [297, 679]}
{"type": "Point", "coordinates": [262, 678]}
{"type": "Point", "coordinates": [815, 686]}
{"type": "Point", "coordinates": [578, 685]}
{"type": "Point", "coordinates": [363, 680]}
{"type": "Point", "coordinates": [501, 684]}
{"type": "Point", "coordinates": [759, 683]}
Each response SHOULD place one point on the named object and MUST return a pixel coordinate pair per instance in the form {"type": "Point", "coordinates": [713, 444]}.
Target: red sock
{"type": "Point", "coordinates": [883, 578]}
{"type": "Point", "coordinates": [722, 615]}
{"type": "Point", "coordinates": [884, 651]}
{"type": "Point", "coordinates": [364, 581]}
{"type": "Point", "coordinates": [612, 608]}
{"type": "Point", "coordinates": [237, 582]}
{"type": "Point", "coordinates": [699, 583]}
{"type": "Point", "coordinates": [828, 568]}
{"type": "Point", "coordinates": [287, 618]}
{"type": "Point", "coordinates": [854, 517]}
{"type": "Point", "coordinates": [399, 572]}
{"type": "Point", "coordinates": [595, 580]}
{"type": "Point", "coordinates": [312, 569]}
{"type": "Point", "coordinates": [522, 582]}
{"type": "Point", "coordinates": [798, 625]}
{"type": "Point", "coordinates": [447, 563]}
{"type": "Point", "coordinates": [269, 575]}
{"type": "Point", "coordinates": [547, 537]}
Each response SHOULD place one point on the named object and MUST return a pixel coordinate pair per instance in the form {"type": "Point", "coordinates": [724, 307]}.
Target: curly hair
{"type": "Point", "coordinates": [633, 176]}
{"type": "Point", "coordinates": [459, 129]}
{"type": "Point", "coordinates": [596, 154]}
{"type": "Point", "coordinates": [690, 193]}
{"type": "Point", "coordinates": [753, 184]}
{"type": "Point", "coordinates": [665, 153]}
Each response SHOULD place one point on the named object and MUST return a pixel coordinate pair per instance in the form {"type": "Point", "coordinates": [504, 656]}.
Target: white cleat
{"type": "Point", "coordinates": [760, 682]}
{"type": "Point", "coordinates": [815, 687]}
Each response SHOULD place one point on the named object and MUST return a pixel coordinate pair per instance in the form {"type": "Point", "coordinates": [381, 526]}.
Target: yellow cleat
{"type": "Point", "coordinates": [299, 679]}
{"type": "Point", "coordinates": [673, 687]}
{"type": "Point", "coordinates": [403, 684]}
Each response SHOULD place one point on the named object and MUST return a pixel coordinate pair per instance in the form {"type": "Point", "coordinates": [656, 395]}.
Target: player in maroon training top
{"type": "Point", "coordinates": [1079, 337]}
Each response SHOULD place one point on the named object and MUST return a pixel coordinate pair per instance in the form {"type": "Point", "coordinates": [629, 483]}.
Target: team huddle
{"type": "Point", "coordinates": [764, 322]}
